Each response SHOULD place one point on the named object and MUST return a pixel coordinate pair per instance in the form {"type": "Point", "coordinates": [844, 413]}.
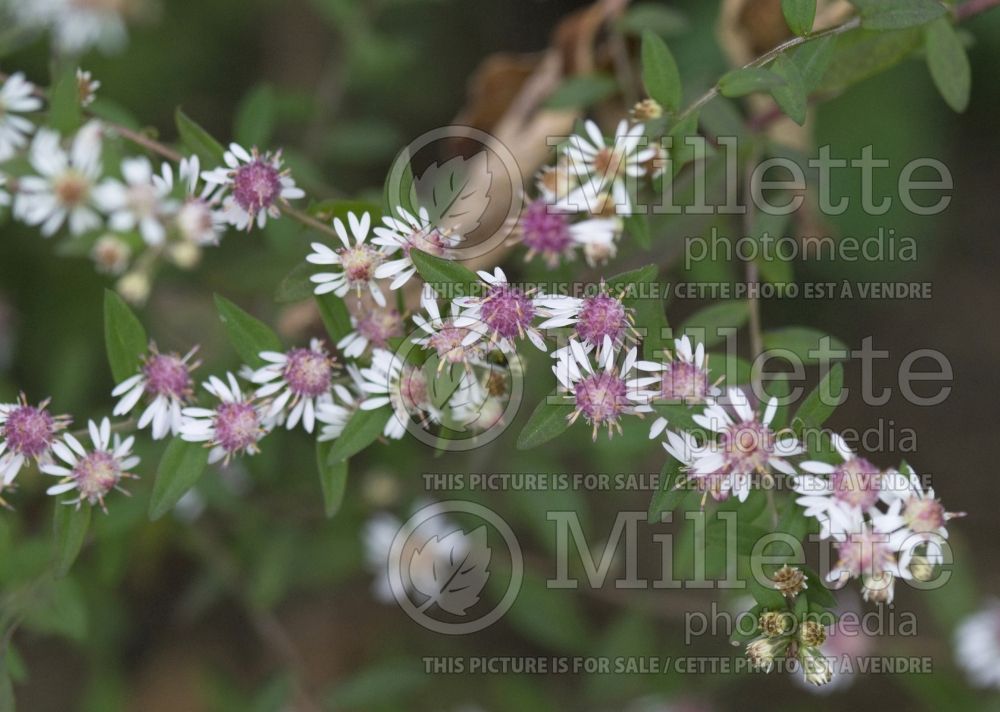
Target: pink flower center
{"type": "Point", "coordinates": [237, 426]}
{"type": "Point", "coordinates": [380, 325]}
{"type": "Point", "coordinates": [601, 316]}
{"type": "Point", "coordinates": [308, 372]}
{"type": "Point", "coordinates": [923, 515]}
{"type": "Point", "coordinates": [359, 263]}
{"type": "Point", "coordinates": [864, 553]}
{"type": "Point", "coordinates": [430, 240]}
{"type": "Point", "coordinates": [507, 311]}
{"type": "Point", "coordinates": [447, 342]}
{"type": "Point", "coordinates": [747, 446]}
{"type": "Point", "coordinates": [167, 375]}
{"type": "Point", "coordinates": [413, 389]}
{"type": "Point", "coordinates": [545, 231]}
{"type": "Point", "coordinates": [683, 381]}
{"type": "Point", "coordinates": [256, 185]}
{"type": "Point", "coordinates": [96, 474]}
{"type": "Point", "coordinates": [601, 397]}
{"type": "Point", "coordinates": [857, 482]}
{"type": "Point", "coordinates": [29, 431]}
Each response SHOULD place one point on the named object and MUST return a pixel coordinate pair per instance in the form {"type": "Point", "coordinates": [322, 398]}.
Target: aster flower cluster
{"type": "Point", "coordinates": [582, 199]}
{"type": "Point", "coordinates": [121, 215]}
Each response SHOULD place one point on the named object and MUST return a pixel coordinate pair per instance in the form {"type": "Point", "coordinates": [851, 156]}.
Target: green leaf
{"type": "Point", "coordinates": [364, 428]}
{"type": "Point", "coordinates": [800, 341]}
{"type": "Point", "coordinates": [124, 337]}
{"type": "Point", "coordinates": [791, 96]}
{"type": "Point", "coordinates": [70, 524]}
{"type": "Point", "coordinates": [296, 287]}
{"type": "Point", "coordinates": [817, 591]}
{"type": "Point", "coordinates": [765, 596]}
{"type": "Point", "coordinates": [813, 412]}
{"type": "Point", "coordinates": [548, 421]}
{"type": "Point", "coordinates": [668, 497]}
{"type": "Point", "coordinates": [256, 117]}
{"type": "Point", "coordinates": [948, 64]}
{"type": "Point", "coordinates": [659, 72]}
{"type": "Point", "coordinates": [198, 141]}
{"type": "Point", "coordinates": [549, 617]}
{"type": "Point", "coordinates": [704, 324]}
{"type": "Point", "coordinates": [336, 318]}
{"type": "Point", "coordinates": [180, 468]}
{"type": "Point", "coordinates": [449, 279]}
{"type": "Point", "coordinates": [800, 15]}
{"type": "Point", "coordinates": [248, 335]}
{"type": "Point", "coordinates": [582, 91]}
{"type": "Point", "coordinates": [637, 225]}
{"type": "Point", "coordinates": [747, 80]}
{"type": "Point", "coordinates": [65, 113]}
{"type": "Point", "coordinates": [736, 532]}
{"type": "Point", "coordinates": [898, 14]}
{"type": "Point", "coordinates": [860, 54]}
{"type": "Point", "coordinates": [812, 59]}
{"type": "Point", "coordinates": [332, 478]}
{"type": "Point", "coordinates": [652, 16]}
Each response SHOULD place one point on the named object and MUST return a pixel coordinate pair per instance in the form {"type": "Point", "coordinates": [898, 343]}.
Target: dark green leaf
{"type": "Point", "coordinates": [71, 523]}
{"type": "Point", "coordinates": [652, 16]}
{"type": "Point", "coordinates": [791, 96]}
{"type": "Point", "coordinates": [898, 14]}
{"type": "Point", "coordinates": [124, 337]}
{"type": "Point", "coordinates": [449, 279]}
{"type": "Point", "coordinates": [659, 72]}
{"type": "Point", "coordinates": [332, 478]}
{"type": "Point", "coordinates": [948, 63]}
{"type": "Point", "coordinates": [364, 428]}
{"type": "Point", "coordinates": [582, 91]}
{"type": "Point", "coordinates": [65, 113]}
{"type": "Point", "coordinates": [637, 226]}
{"type": "Point", "coordinates": [747, 80]}
{"type": "Point", "coordinates": [860, 54]}
{"type": "Point", "coordinates": [179, 470]}
{"type": "Point", "coordinates": [296, 287]}
{"type": "Point", "coordinates": [336, 318]}
{"type": "Point", "coordinates": [799, 14]}
{"type": "Point", "coordinates": [813, 411]}
{"type": "Point", "coordinates": [802, 341]}
{"type": "Point", "coordinates": [812, 59]}
{"type": "Point", "coordinates": [198, 141]}
{"type": "Point", "coordinates": [255, 117]}
{"type": "Point", "coordinates": [668, 497]}
{"type": "Point", "coordinates": [248, 335]}
{"type": "Point", "coordinates": [548, 421]}
{"type": "Point", "coordinates": [704, 324]}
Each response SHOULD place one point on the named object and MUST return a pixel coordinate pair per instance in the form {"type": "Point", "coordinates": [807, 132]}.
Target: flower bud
{"type": "Point", "coordinates": [646, 110]}
{"type": "Point", "coordinates": [789, 581]}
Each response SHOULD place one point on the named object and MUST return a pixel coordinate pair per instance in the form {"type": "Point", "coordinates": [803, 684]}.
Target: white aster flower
{"type": "Point", "coordinates": [199, 219]}
{"type": "Point", "coordinates": [604, 394]}
{"type": "Point", "coordinates": [403, 387]}
{"type": "Point", "coordinates": [606, 168]}
{"type": "Point", "coordinates": [334, 415]}
{"type": "Point", "coordinates": [407, 232]}
{"type": "Point", "coordinates": [443, 337]}
{"type": "Point", "coordinates": [254, 186]}
{"type": "Point", "coordinates": [840, 496]}
{"type": "Point", "coordinates": [685, 378]}
{"type": "Point", "coordinates": [373, 327]}
{"type": "Point", "coordinates": [977, 646]}
{"type": "Point", "coordinates": [63, 190]}
{"type": "Point", "coordinates": [357, 261]}
{"type": "Point", "coordinates": [17, 96]}
{"type": "Point", "coordinates": [140, 202]}
{"type": "Point", "coordinates": [504, 314]}
{"type": "Point", "coordinates": [745, 447]}
{"type": "Point", "coordinates": [165, 381]}
{"type": "Point", "coordinates": [27, 432]}
{"type": "Point", "coordinates": [94, 473]}
{"type": "Point", "coordinates": [111, 254]}
{"type": "Point", "coordinates": [300, 380]}
{"type": "Point", "coordinates": [77, 25]}
{"type": "Point", "coordinates": [236, 425]}
{"type": "Point", "coordinates": [873, 556]}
